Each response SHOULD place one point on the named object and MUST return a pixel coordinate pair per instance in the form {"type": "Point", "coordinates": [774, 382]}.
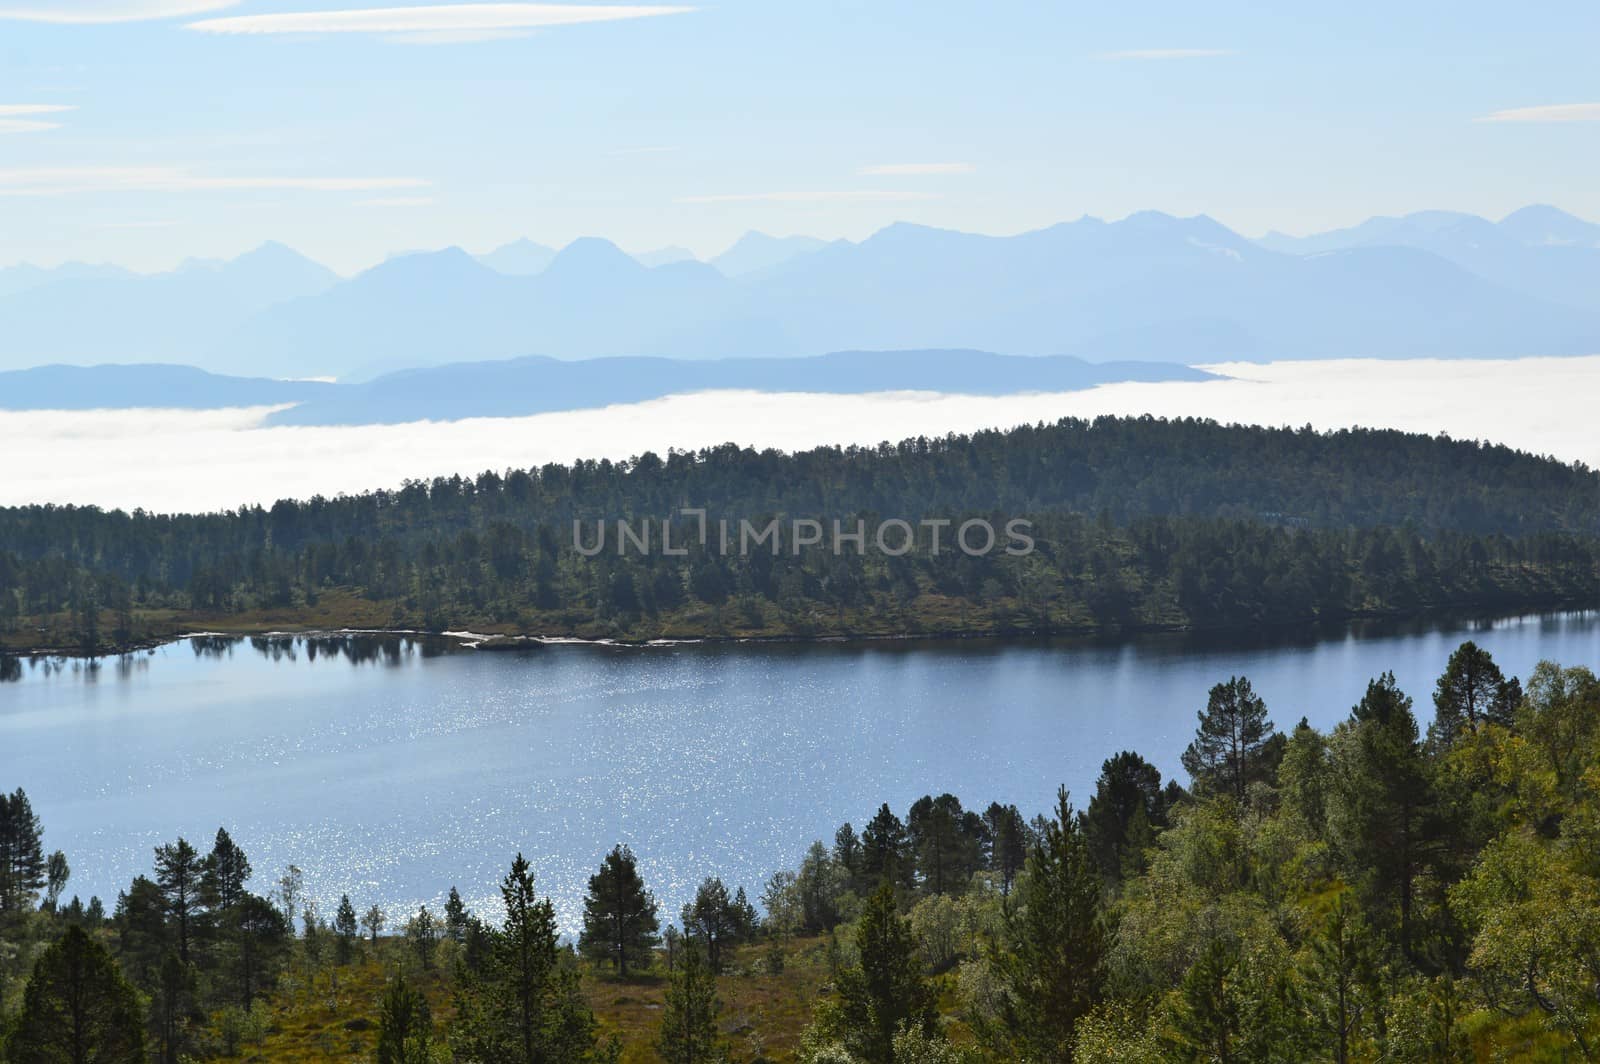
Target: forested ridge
{"type": "Point", "coordinates": [1137, 522]}
{"type": "Point", "coordinates": [1419, 883]}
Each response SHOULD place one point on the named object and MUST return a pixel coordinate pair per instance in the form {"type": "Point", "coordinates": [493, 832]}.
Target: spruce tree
{"type": "Point", "coordinates": [619, 914]}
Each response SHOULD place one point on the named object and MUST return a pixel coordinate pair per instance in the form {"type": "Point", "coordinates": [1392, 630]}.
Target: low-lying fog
{"type": "Point", "coordinates": [165, 460]}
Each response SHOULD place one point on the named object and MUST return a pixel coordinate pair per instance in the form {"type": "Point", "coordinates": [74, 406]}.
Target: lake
{"type": "Point", "coordinates": [393, 767]}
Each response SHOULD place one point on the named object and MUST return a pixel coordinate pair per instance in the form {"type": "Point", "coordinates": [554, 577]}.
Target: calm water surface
{"type": "Point", "coordinates": [392, 768]}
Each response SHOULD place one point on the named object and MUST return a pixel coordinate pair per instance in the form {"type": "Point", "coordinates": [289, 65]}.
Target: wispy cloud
{"type": "Point", "coordinates": [474, 19]}
{"type": "Point", "coordinates": [1168, 53]}
{"type": "Point", "coordinates": [916, 169]}
{"type": "Point", "coordinates": [455, 36]}
{"type": "Point", "coordinates": [24, 125]}
{"type": "Point", "coordinates": [839, 196]}
{"type": "Point", "coordinates": [10, 123]}
{"type": "Point", "coordinates": [86, 12]}
{"type": "Point", "coordinates": [54, 181]}
{"type": "Point", "coordinates": [396, 201]}
{"type": "Point", "coordinates": [1554, 112]}
{"type": "Point", "coordinates": [8, 110]}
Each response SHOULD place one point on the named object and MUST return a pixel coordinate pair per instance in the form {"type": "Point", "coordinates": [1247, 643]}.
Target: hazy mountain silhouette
{"type": "Point", "coordinates": [520, 257]}
{"type": "Point", "coordinates": [1149, 287]}
{"type": "Point", "coordinates": [115, 387]}
{"type": "Point", "coordinates": [175, 316]}
{"type": "Point", "coordinates": [665, 256]}
{"type": "Point", "coordinates": [534, 385]}
{"type": "Point", "coordinates": [23, 276]}
{"type": "Point", "coordinates": [1540, 251]}
{"type": "Point", "coordinates": [757, 251]}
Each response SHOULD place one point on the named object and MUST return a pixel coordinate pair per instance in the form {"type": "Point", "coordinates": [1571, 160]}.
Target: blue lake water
{"type": "Point", "coordinates": [392, 768]}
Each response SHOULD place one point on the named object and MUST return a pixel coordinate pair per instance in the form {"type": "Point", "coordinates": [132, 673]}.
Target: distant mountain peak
{"type": "Point", "coordinates": [589, 256]}
{"type": "Point", "coordinates": [757, 250]}
{"type": "Point", "coordinates": [521, 257]}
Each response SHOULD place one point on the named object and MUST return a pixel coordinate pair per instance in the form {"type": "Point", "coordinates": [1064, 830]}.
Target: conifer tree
{"type": "Point", "coordinates": [344, 925]}
{"type": "Point", "coordinates": [689, 1032]}
{"type": "Point", "coordinates": [226, 872]}
{"type": "Point", "coordinates": [405, 1025]}
{"type": "Point", "coordinates": [1056, 941]}
{"type": "Point", "coordinates": [178, 871]}
{"type": "Point", "coordinates": [619, 914]}
{"type": "Point", "coordinates": [22, 861]}
{"type": "Point", "coordinates": [1471, 692]}
{"type": "Point", "coordinates": [455, 917]}
{"type": "Point", "coordinates": [1231, 747]}
{"type": "Point", "coordinates": [885, 992]}
{"type": "Point", "coordinates": [78, 1008]}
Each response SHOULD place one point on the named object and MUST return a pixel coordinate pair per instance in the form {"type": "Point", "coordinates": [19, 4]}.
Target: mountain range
{"type": "Point", "coordinates": [1149, 287]}
{"type": "Point", "coordinates": [534, 385]}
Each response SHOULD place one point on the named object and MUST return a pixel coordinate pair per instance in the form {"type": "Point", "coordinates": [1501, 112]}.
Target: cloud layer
{"type": "Point", "coordinates": [86, 12]}
{"type": "Point", "coordinates": [865, 195]}
{"type": "Point", "coordinates": [208, 460]}
{"type": "Point", "coordinates": [467, 21]}
{"type": "Point", "coordinates": [916, 169]}
{"type": "Point", "coordinates": [1555, 112]}
{"type": "Point", "coordinates": [54, 181]}
{"type": "Point", "coordinates": [1168, 53]}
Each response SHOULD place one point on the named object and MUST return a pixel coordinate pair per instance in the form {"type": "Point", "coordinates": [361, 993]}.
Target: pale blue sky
{"type": "Point", "coordinates": [188, 136]}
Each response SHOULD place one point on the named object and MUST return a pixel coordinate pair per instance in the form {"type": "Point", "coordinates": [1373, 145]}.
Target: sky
{"type": "Point", "coordinates": [146, 131]}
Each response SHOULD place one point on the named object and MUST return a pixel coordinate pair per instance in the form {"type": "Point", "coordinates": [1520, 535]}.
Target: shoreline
{"type": "Point", "coordinates": [499, 642]}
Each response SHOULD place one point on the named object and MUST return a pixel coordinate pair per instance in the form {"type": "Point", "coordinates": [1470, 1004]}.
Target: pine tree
{"type": "Point", "coordinates": [455, 917]}
{"type": "Point", "coordinates": [1008, 834]}
{"type": "Point", "coordinates": [178, 870]}
{"type": "Point", "coordinates": [227, 870]}
{"type": "Point", "coordinates": [78, 1008]}
{"type": "Point", "coordinates": [688, 1032]}
{"type": "Point", "coordinates": [711, 919]}
{"type": "Point", "coordinates": [22, 861]}
{"type": "Point", "coordinates": [885, 992]}
{"type": "Point", "coordinates": [57, 872]}
{"type": "Point", "coordinates": [1129, 787]}
{"type": "Point", "coordinates": [344, 925]}
{"type": "Point", "coordinates": [1208, 1022]}
{"type": "Point", "coordinates": [1231, 747]}
{"type": "Point", "coordinates": [372, 922]}
{"type": "Point", "coordinates": [619, 914]}
{"type": "Point", "coordinates": [1383, 813]}
{"type": "Point", "coordinates": [528, 1009]}
{"type": "Point", "coordinates": [405, 1025]}
{"type": "Point", "coordinates": [1471, 692]}
{"type": "Point", "coordinates": [883, 850]}
{"type": "Point", "coordinates": [423, 935]}
{"type": "Point", "coordinates": [1056, 942]}
{"type": "Point", "coordinates": [1339, 973]}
